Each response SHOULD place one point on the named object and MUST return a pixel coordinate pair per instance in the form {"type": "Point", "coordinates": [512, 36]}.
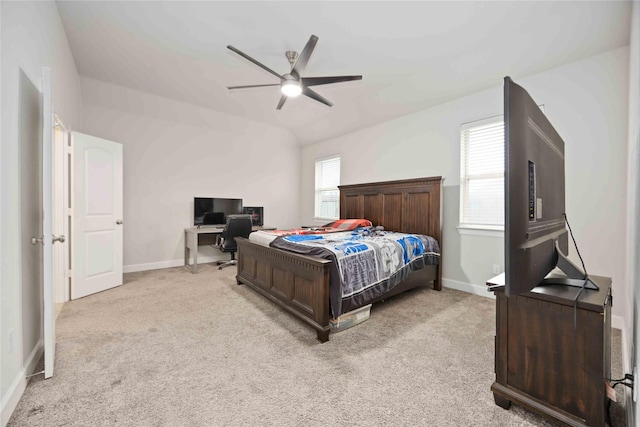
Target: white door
{"type": "Point", "coordinates": [96, 234]}
{"type": "Point", "coordinates": [31, 218]}
{"type": "Point", "coordinates": [49, 310]}
{"type": "Point", "coordinates": [60, 213]}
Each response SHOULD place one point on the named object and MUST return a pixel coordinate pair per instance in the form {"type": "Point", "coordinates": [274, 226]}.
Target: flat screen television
{"type": "Point", "coordinates": [536, 239]}
{"type": "Point", "coordinates": [257, 214]}
{"type": "Point", "coordinates": [213, 211]}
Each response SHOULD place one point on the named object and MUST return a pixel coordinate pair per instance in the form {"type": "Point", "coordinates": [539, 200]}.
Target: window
{"type": "Point", "coordinates": [482, 174]}
{"type": "Point", "coordinates": [327, 193]}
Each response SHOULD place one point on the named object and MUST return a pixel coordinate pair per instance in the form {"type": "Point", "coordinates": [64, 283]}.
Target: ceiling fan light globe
{"type": "Point", "coordinates": [291, 89]}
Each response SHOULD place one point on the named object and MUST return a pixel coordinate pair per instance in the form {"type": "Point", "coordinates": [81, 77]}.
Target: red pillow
{"type": "Point", "coordinates": [348, 224]}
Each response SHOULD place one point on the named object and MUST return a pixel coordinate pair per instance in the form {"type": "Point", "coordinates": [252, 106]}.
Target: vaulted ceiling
{"type": "Point", "coordinates": [412, 55]}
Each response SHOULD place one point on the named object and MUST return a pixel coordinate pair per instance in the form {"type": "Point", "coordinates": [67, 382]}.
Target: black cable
{"type": "Point", "coordinates": [575, 310]}
{"type": "Point", "coordinates": [613, 385]}
{"type": "Point", "coordinates": [586, 276]}
{"type": "Point", "coordinates": [575, 306]}
{"type": "Point", "coordinates": [626, 377]}
{"type": "Point", "coordinates": [630, 385]}
{"type": "Point", "coordinates": [575, 245]}
{"type": "Point", "coordinates": [613, 382]}
{"type": "Point", "coordinates": [577, 298]}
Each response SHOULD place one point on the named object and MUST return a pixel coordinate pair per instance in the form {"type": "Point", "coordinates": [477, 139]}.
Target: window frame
{"type": "Point", "coordinates": [317, 204]}
{"type": "Point", "coordinates": [465, 226]}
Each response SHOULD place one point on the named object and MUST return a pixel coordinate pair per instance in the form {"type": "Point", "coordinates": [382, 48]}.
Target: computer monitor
{"type": "Point", "coordinates": [213, 211]}
{"type": "Point", "coordinates": [257, 214]}
{"type": "Point", "coordinates": [536, 239]}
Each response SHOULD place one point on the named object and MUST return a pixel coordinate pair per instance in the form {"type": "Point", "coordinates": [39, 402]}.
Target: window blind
{"type": "Point", "coordinates": [482, 174]}
{"type": "Point", "coordinates": [327, 204]}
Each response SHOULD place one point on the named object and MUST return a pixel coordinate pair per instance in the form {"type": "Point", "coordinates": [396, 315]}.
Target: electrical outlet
{"type": "Point", "coordinates": [10, 341]}
{"type": "Point", "coordinates": [496, 268]}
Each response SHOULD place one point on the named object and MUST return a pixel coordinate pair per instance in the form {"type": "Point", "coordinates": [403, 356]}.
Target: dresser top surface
{"type": "Point", "coordinates": [562, 294]}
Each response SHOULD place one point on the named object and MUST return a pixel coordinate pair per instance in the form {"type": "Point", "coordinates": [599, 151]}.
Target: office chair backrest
{"type": "Point", "coordinates": [237, 226]}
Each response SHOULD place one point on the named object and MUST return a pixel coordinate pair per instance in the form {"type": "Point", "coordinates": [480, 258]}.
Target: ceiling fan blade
{"type": "Point", "coordinates": [314, 95]}
{"type": "Point", "coordinates": [250, 86]}
{"type": "Point", "coordinates": [304, 56]}
{"type": "Point", "coordinates": [315, 81]}
{"type": "Point", "coordinates": [281, 103]}
{"type": "Point", "coordinates": [248, 58]}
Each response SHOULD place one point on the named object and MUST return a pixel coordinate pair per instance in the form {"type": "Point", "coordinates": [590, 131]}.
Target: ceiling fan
{"type": "Point", "coordinates": [292, 83]}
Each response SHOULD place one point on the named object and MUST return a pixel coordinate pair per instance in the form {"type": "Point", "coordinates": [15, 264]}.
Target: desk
{"type": "Point", "coordinates": [194, 237]}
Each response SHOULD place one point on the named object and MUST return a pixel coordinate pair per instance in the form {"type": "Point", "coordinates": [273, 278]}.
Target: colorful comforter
{"type": "Point", "coordinates": [366, 264]}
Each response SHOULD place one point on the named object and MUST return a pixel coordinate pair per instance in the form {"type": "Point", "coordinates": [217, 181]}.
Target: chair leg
{"type": "Point", "coordinates": [232, 261]}
{"type": "Point", "coordinates": [228, 263]}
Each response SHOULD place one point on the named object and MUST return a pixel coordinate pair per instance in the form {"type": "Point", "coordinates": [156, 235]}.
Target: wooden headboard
{"type": "Point", "coordinates": [407, 206]}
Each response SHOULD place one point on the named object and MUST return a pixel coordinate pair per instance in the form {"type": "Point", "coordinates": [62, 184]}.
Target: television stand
{"type": "Point", "coordinates": [542, 363]}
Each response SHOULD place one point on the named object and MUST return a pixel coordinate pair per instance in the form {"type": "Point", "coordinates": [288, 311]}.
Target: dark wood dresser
{"type": "Point", "coordinates": [545, 364]}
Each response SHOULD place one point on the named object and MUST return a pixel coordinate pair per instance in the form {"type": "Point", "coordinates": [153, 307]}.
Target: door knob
{"type": "Point", "coordinates": [59, 238]}
{"type": "Point", "coordinates": [119, 221]}
{"type": "Point", "coordinates": [36, 240]}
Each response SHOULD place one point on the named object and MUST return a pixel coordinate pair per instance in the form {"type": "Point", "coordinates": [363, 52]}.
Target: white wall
{"type": "Point", "coordinates": [587, 103]}
{"type": "Point", "coordinates": [31, 37]}
{"type": "Point", "coordinates": [632, 332]}
{"type": "Point", "coordinates": [174, 152]}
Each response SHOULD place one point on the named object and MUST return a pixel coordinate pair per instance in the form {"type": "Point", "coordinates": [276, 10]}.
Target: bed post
{"type": "Point", "coordinates": [297, 283]}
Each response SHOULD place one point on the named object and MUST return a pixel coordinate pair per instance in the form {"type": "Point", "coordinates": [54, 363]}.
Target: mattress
{"type": "Point", "coordinates": [365, 264]}
{"type": "Point", "coordinates": [262, 237]}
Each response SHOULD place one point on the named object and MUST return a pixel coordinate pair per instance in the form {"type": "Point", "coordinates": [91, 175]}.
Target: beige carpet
{"type": "Point", "coordinates": [170, 348]}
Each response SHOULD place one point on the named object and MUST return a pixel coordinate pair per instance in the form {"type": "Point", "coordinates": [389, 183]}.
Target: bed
{"type": "Point", "coordinates": [300, 284]}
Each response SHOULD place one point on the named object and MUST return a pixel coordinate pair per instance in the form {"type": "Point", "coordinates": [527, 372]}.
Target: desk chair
{"type": "Point", "coordinates": [237, 226]}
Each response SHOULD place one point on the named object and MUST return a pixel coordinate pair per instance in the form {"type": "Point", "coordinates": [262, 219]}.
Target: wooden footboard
{"type": "Point", "coordinates": [300, 284]}
{"type": "Point", "coordinates": [297, 283]}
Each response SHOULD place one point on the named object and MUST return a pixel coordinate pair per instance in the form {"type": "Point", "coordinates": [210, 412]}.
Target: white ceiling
{"type": "Point", "coordinates": [412, 55]}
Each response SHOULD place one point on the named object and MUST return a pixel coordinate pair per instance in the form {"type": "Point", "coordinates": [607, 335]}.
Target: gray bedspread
{"type": "Point", "coordinates": [366, 264]}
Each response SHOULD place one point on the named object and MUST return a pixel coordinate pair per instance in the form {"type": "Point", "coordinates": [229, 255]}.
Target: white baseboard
{"type": "Point", "coordinates": [152, 266]}
{"type": "Point", "coordinates": [468, 287]}
{"type": "Point", "coordinates": [11, 399]}
{"type": "Point", "coordinates": [619, 323]}
{"type": "Point", "coordinates": [171, 263]}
